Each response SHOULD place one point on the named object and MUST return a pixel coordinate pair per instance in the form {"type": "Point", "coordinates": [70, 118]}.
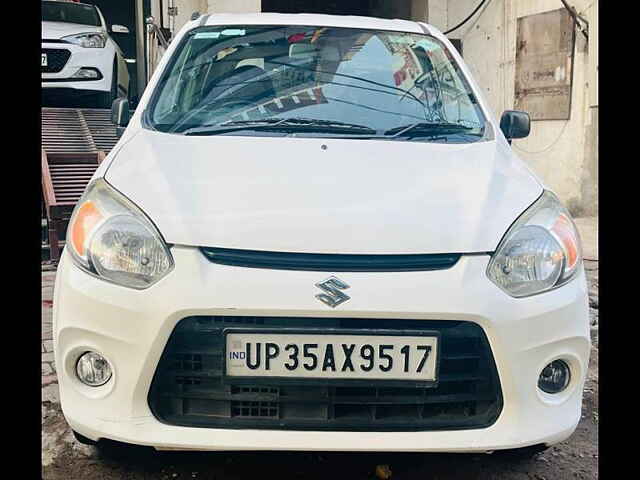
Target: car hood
{"type": "Point", "coordinates": [57, 30]}
{"type": "Point", "coordinates": [324, 195]}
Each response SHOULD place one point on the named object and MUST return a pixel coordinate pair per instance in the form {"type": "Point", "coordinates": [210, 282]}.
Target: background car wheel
{"type": "Point", "coordinates": [107, 98]}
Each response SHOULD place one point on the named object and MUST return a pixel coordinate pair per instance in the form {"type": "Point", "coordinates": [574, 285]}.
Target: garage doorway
{"type": "Point", "coordinates": [372, 8]}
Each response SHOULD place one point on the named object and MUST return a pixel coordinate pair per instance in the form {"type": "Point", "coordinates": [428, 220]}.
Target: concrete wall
{"type": "Point", "coordinates": [562, 152]}
{"type": "Point", "coordinates": [187, 7]}
{"type": "Point", "coordinates": [420, 10]}
{"type": "Point", "coordinates": [390, 9]}
{"type": "Point", "coordinates": [234, 6]}
{"type": "Point", "coordinates": [590, 187]}
{"type": "Point", "coordinates": [185, 10]}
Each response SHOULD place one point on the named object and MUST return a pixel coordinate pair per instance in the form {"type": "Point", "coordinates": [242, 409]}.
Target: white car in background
{"type": "Point", "coordinates": [79, 55]}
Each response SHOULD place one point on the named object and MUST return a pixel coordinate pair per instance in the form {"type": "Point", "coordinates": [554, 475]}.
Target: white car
{"type": "Point", "coordinates": [314, 235]}
{"type": "Point", "coordinates": [78, 55]}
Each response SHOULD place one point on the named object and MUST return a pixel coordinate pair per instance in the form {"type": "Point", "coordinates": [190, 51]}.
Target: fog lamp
{"type": "Point", "coordinates": [555, 377]}
{"type": "Point", "coordinates": [93, 369]}
{"type": "Point", "coordinates": [87, 73]}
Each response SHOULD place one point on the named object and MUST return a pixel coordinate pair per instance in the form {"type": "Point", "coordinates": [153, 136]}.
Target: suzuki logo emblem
{"type": "Point", "coordinates": [333, 295]}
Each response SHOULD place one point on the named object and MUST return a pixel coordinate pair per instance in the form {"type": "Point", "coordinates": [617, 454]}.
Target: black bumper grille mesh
{"type": "Point", "coordinates": [188, 387]}
{"type": "Point", "coordinates": [56, 59]}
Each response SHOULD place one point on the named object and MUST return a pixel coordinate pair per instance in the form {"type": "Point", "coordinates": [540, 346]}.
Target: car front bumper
{"type": "Point", "coordinates": [131, 328]}
{"type": "Point", "coordinates": [98, 58]}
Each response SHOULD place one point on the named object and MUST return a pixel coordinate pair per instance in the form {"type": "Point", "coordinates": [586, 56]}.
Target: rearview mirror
{"type": "Point", "coordinates": [302, 50]}
{"type": "Point", "coordinates": [515, 124]}
{"type": "Point", "coordinates": [119, 29]}
{"type": "Point", "coordinates": [120, 114]}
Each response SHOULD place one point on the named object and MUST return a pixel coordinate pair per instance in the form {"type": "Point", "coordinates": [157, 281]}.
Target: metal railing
{"type": "Point", "coordinates": [157, 44]}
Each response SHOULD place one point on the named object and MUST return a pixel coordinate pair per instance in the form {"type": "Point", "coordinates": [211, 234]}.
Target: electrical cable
{"type": "Point", "coordinates": [466, 19]}
{"type": "Point", "coordinates": [578, 20]}
{"type": "Point", "coordinates": [548, 147]}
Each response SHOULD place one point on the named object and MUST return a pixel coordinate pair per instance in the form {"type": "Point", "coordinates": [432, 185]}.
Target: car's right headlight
{"type": "Point", "coordinates": [87, 40]}
{"type": "Point", "coordinates": [111, 238]}
{"type": "Point", "coordinates": [540, 251]}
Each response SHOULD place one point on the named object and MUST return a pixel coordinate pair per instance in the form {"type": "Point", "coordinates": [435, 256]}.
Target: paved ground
{"type": "Point", "coordinates": [64, 459]}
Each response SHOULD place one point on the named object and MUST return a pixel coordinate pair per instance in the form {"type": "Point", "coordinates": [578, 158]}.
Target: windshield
{"type": "Point", "coordinates": [309, 80]}
{"type": "Point", "coordinates": [70, 13]}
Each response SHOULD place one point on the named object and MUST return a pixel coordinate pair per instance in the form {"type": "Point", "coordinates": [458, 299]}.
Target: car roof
{"type": "Point", "coordinates": [312, 19]}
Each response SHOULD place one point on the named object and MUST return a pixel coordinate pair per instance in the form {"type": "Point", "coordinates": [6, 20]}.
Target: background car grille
{"type": "Point", "coordinates": [56, 59]}
{"type": "Point", "coordinates": [188, 388]}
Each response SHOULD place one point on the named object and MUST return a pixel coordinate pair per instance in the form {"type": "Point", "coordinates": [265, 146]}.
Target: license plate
{"type": "Point", "coordinates": [360, 356]}
{"type": "Point", "coordinates": [44, 59]}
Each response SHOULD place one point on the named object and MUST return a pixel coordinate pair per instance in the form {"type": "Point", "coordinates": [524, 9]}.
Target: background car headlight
{"type": "Point", "coordinates": [539, 252]}
{"type": "Point", "coordinates": [87, 40]}
{"type": "Point", "coordinates": [109, 237]}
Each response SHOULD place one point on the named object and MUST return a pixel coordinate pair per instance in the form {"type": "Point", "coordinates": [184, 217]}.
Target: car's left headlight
{"type": "Point", "coordinates": [540, 251]}
{"type": "Point", "coordinates": [87, 40]}
{"type": "Point", "coordinates": [111, 238]}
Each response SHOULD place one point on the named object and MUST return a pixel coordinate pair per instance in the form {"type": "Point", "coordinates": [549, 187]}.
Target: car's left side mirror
{"type": "Point", "coordinates": [515, 124]}
{"type": "Point", "coordinates": [120, 114]}
{"type": "Point", "coordinates": [119, 29]}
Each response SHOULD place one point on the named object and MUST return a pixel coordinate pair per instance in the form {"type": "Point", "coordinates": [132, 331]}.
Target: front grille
{"type": "Point", "coordinates": [325, 262]}
{"type": "Point", "coordinates": [188, 387]}
{"type": "Point", "coordinates": [56, 59]}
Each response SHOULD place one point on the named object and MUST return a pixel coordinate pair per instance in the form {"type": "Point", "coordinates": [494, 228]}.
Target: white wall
{"type": "Point", "coordinates": [234, 6]}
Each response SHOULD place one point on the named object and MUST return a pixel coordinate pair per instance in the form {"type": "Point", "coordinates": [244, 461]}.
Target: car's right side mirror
{"type": "Point", "coordinates": [515, 124]}
{"type": "Point", "coordinates": [119, 29]}
{"type": "Point", "coordinates": [120, 114]}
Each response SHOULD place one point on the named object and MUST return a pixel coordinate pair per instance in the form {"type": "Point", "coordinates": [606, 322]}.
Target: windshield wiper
{"type": "Point", "coordinates": [327, 123]}
{"type": "Point", "coordinates": [428, 128]}
{"type": "Point", "coordinates": [289, 124]}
